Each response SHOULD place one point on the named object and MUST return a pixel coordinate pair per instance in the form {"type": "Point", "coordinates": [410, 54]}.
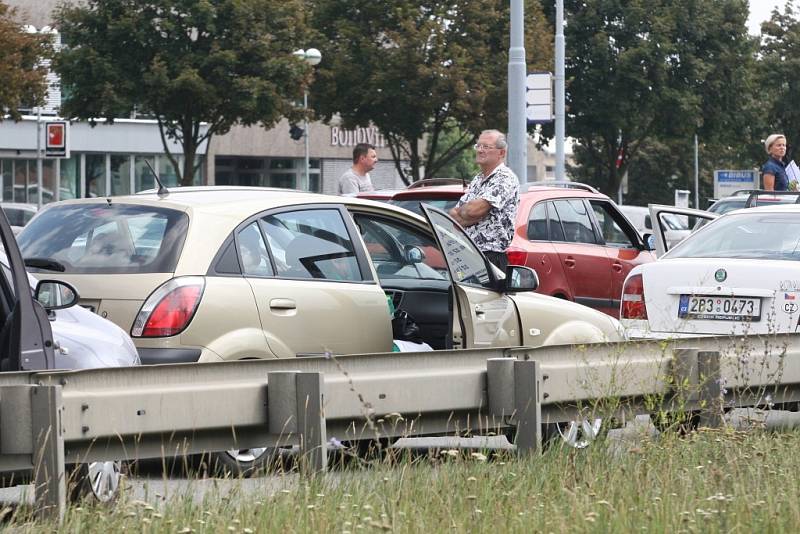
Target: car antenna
{"type": "Point", "coordinates": [162, 191]}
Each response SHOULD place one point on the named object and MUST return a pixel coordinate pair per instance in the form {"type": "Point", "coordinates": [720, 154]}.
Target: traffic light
{"type": "Point", "coordinates": [295, 132]}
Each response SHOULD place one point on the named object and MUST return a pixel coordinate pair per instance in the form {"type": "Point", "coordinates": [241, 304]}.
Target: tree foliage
{"type": "Point", "coordinates": [435, 70]}
{"type": "Point", "coordinates": [780, 78]}
{"type": "Point", "coordinates": [218, 62]}
{"type": "Point", "coordinates": [22, 75]}
{"type": "Point", "coordinates": [652, 73]}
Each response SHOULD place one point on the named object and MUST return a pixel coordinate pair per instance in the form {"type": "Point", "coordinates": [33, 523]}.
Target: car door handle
{"type": "Point", "coordinates": [617, 267]}
{"type": "Point", "coordinates": [479, 310]}
{"type": "Point", "coordinates": [569, 262]}
{"type": "Point", "coordinates": [282, 304]}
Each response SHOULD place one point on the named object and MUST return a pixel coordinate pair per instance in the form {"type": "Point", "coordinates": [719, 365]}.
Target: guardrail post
{"type": "Point", "coordinates": [711, 400]}
{"type": "Point", "coordinates": [528, 406]}
{"type": "Point", "coordinates": [311, 423]}
{"type": "Point", "coordinates": [50, 487]}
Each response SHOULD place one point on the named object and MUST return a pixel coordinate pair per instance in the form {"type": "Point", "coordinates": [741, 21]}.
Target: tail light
{"type": "Point", "coordinates": [516, 256]}
{"type": "Point", "coordinates": [633, 306]}
{"type": "Point", "coordinates": [170, 308]}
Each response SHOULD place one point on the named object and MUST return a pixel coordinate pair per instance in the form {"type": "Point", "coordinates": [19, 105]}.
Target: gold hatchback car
{"type": "Point", "coordinates": [205, 274]}
{"type": "Point", "coordinates": [226, 273]}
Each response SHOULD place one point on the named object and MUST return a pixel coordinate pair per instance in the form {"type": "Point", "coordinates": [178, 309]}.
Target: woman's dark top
{"type": "Point", "coordinates": [778, 170]}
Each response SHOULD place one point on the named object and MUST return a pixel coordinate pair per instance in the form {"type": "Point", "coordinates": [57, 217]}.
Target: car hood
{"type": "Point", "coordinates": [551, 321]}
{"type": "Point", "coordinates": [776, 283]}
{"type": "Point", "coordinates": [85, 340]}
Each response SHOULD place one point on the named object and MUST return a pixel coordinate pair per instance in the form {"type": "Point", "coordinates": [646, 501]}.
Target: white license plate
{"type": "Point", "coordinates": [719, 308]}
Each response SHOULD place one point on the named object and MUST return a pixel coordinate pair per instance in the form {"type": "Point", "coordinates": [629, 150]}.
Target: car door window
{"type": "Point", "coordinates": [537, 223]}
{"type": "Point", "coordinates": [466, 263]}
{"type": "Point", "coordinates": [253, 252]}
{"type": "Point", "coordinates": [554, 228]}
{"type": "Point", "coordinates": [386, 243]}
{"type": "Point", "coordinates": [312, 244]}
{"type": "Point", "coordinates": [613, 234]}
{"type": "Point", "coordinates": [575, 221]}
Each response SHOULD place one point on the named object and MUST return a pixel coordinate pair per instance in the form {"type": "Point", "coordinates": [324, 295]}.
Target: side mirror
{"type": "Point", "coordinates": [519, 278]}
{"type": "Point", "coordinates": [55, 294]}
{"type": "Point", "coordinates": [413, 254]}
{"type": "Point", "coordinates": [649, 241]}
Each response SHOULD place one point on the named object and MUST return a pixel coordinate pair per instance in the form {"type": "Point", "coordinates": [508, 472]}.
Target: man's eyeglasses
{"type": "Point", "coordinates": [483, 147]}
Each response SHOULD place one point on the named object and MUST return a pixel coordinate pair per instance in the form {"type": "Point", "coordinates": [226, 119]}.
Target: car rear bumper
{"type": "Point", "coordinates": [150, 356]}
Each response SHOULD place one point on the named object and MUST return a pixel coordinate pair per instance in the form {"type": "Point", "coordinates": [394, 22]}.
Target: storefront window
{"type": "Point", "coordinates": [70, 176]}
{"type": "Point", "coordinates": [7, 175]}
{"type": "Point", "coordinates": [286, 180]}
{"type": "Point", "coordinates": [143, 176]}
{"type": "Point", "coordinates": [21, 180]}
{"type": "Point", "coordinates": [166, 170]}
{"type": "Point", "coordinates": [95, 175]}
{"type": "Point", "coordinates": [48, 183]}
{"type": "Point", "coordinates": [120, 175]}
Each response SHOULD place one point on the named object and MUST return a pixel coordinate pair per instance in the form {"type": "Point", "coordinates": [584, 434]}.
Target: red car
{"type": "Point", "coordinates": [580, 244]}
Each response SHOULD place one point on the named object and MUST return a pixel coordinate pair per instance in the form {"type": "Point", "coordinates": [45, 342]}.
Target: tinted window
{"type": "Point", "coordinates": [575, 221]}
{"type": "Point", "coordinates": [386, 243]}
{"type": "Point", "coordinates": [311, 244]}
{"type": "Point", "coordinates": [537, 223]}
{"type": "Point", "coordinates": [554, 224]}
{"type": "Point", "coordinates": [18, 217]}
{"type": "Point", "coordinates": [606, 216]}
{"type": "Point", "coordinates": [107, 238]}
{"type": "Point", "coordinates": [466, 264]}
{"type": "Point", "coordinates": [253, 252]}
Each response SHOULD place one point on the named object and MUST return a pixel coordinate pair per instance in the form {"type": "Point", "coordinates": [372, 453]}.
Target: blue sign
{"type": "Point", "coordinates": [727, 182]}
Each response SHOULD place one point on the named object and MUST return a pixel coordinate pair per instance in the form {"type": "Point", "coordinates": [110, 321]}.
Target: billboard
{"type": "Point", "coordinates": [727, 182]}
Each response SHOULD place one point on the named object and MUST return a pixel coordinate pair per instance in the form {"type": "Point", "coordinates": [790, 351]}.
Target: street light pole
{"type": "Point", "coordinates": [560, 114]}
{"type": "Point", "coordinates": [312, 56]}
{"type": "Point", "coordinates": [517, 126]}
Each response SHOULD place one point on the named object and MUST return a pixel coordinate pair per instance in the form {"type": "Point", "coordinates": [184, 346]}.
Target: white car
{"type": "Point", "coordinates": [674, 226]}
{"type": "Point", "coordinates": [737, 275]}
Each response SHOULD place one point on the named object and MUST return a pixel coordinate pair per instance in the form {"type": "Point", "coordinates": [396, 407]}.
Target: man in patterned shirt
{"type": "Point", "coordinates": [489, 206]}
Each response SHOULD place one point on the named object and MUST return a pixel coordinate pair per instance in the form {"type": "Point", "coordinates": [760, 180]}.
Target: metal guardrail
{"type": "Point", "coordinates": [48, 419]}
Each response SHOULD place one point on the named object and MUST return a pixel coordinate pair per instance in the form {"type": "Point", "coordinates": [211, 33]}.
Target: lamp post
{"type": "Point", "coordinates": [312, 56]}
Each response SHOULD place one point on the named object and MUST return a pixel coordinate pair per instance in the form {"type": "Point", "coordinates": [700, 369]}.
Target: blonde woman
{"type": "Point", "coordinates": [774, 170]}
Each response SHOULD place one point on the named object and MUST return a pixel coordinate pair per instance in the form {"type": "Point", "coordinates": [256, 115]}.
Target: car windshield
{"type": "Point", "coordinates": [414, 204]}
{"type": "Point", "coordinates": [106, 238]}
{"type": "Point", "coordinates": [745, 235]}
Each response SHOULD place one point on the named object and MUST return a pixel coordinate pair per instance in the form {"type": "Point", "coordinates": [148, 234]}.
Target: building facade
{"type": "Point", "coordinates": [110, 159]}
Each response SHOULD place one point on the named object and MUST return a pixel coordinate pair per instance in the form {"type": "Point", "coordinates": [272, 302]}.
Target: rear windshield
{"type": "Point", "coordinates": [102, 238]}
{"type": "Point", "coordinates": [745, 235]}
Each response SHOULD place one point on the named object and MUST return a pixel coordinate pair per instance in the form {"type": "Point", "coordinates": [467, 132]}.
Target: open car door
{"type": "Point", "coordinates": [697, 218]}
{"type": "Point", "coordinates": [26, 339]}
{"type": "Point", "coordinates": [484, 317]}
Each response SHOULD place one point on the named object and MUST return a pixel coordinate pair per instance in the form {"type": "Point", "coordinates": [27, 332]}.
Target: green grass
{"type": "Point", "coordinates": [709, 481]}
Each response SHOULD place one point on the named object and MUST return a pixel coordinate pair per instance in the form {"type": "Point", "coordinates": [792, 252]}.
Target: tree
{"type": "Point", "coordinates": [780, 79]}
{"type": "Point", "coordinates": [22, 74]}
{"type": "Point", "coordinates": [655, 72]}
{"type": "Point", "coordinates": [416, 69]}
{"type": "Point", "coordinates": [185, 62]}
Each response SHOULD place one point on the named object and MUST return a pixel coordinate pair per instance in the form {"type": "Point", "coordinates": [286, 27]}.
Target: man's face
{"type": "Point", "coordinates": [370, 160]}
{"type": "Point", "coordinates": [487, 155]}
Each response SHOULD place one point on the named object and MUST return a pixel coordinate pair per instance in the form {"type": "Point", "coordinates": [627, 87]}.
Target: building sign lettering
{"type": "Point", "coordinates": [371, 135]}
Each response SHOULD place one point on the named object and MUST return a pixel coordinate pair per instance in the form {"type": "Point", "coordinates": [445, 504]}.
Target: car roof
{"type": "Point", "coordinates": [775, 208]}
{"type": "Point", "coordinates": [236, 202]}
{"type": "Point", "coordinates": [530, 189]}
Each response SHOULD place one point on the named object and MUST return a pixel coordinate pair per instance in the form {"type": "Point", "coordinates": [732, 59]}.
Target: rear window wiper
{"type": "Point", "coordinates": [47, 264]}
